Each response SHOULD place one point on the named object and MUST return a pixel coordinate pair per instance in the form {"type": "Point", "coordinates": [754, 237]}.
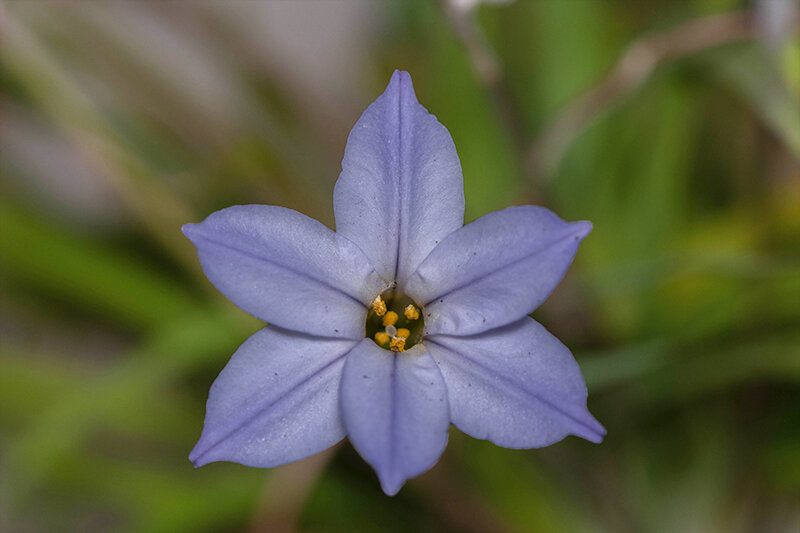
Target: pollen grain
{"type": "Point", "coordinates": [397, 344]}
{"type": "Point", "coordinates": [411, 312]}
{"type": "Point", "coordinates": [379, 306]}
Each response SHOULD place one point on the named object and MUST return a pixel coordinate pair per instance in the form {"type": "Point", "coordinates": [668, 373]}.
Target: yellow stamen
{"type": "Point", "coordinates": [403, 332]}
{"type": "Point", "coordinates": [398, 344]}
{"type": "Point", "coordinates": [379, 306]}
{"type": "Point", "coordinates": [382, 338]}
{"type": "Point", "coordinates": [390, 318]}
{"type": "Point", "coordinates": [411, 312]}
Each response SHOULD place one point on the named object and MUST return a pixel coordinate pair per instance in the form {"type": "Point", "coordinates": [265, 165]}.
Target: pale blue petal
{"type": "Point", "coordinates": [516, 386]}
{"type": "Point", "coordinates": [400, 191]}
{"type": "Point", "coordinates": [395, 410]}
{"type": "Point", "coordinates": [275, 402]}
{"type": "Point", "coordinates": [287, 269]}
{"type": "Point", "coordinates": [495, 270]}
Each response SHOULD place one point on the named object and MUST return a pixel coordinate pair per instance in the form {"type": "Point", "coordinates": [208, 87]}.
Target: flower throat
{"type": "Point", "coordinates": [394, 322]}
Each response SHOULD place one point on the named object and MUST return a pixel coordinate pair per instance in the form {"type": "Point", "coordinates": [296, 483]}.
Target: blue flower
{"type": "Point", "coordinates": [397, 324]}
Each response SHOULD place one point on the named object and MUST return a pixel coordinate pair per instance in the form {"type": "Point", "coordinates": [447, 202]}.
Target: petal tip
{"type": "Point", "coordinates": [391, 483]}
{"type": "Point", "coordinates": [400, 83]}
{"type": "Point", "coordinates": [594, 430]}
{"type": "Point", "coordinates": [200, 456]}
{"type": "Point", "coordinates": [582, 228]}
{"type": "Point", "coordinates": [400, 76]}
{"type": "Point", "coordinates": [197, 459]}
{"type": "Point", "coordinates": [190, 231]}
{"type": "Point", "coordinates": [391, 489]}
{"type": "Point", "coordinates": [196, 451]}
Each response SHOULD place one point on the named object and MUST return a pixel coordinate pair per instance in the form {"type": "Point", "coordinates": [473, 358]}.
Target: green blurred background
{"type": "Point", "coordinates": [674, 126]}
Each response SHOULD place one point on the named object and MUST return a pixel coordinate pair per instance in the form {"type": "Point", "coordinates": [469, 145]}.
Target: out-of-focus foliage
{"type": "Point", "coordinates": [119, 121]}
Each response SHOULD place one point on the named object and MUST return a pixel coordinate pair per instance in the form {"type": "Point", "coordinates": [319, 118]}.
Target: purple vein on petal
{"type": "Point", "coordinates": [594, 431]}
{"type": "Point", "coordinates": [196, 458]}
{"type": "Point", "coordinates": [539, 250]}
{"type": "Point", "coordinates": [190, 229]}
{"type": "Point", "coordinates": [400, 191]}
{"type": "Point", "coordinates": [402, 170]}
{"type": "Point", "coordinates": [393, 417]}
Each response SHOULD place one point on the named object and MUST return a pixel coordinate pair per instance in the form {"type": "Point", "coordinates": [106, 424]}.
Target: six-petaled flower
{"type": "Point", "coordinates": [397, 324]}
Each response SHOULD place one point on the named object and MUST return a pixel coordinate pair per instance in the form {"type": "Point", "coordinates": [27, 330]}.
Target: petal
{"type": "Point", "coordinates": [494, 271]}
{"type": "Point", "coordinates": [400, 191]}
{"type": "Point", "coordinates": [287, 269]}
{"type": "Point", "coordinates": [395, 410]}
{"type": "Point", "coordinates": [276, 401]}
{"type": "Point", "coordinates": [516, 386]}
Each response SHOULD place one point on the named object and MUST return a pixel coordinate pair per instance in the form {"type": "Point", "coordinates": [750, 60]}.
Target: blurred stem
{"type": "Point", "coordinates": [640, 59]}
{"type": "Point", "coordinates": [487, 68]}
{"type": "Point", "coordinates": [121, 287]}
{"type": "Point", "coordinates": [462, 507]}
{"type": "Point", "coordinates": [288, 488]}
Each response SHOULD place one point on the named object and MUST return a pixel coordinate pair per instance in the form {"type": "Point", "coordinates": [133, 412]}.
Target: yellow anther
{"type": "Point", "coordinates": [403, 332]}
{"type": "Point", "coordinates": [411, 312]}
{"type": "Point", "coordinates": [382, 338]}
{"type": "Point", "coordinates": [390, 318]}
{"type": "Point", "coordinates": [398, 344]}
{"type": "Point", "coordinates": [379, 306]}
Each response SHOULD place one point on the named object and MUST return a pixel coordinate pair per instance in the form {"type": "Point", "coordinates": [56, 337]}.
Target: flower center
{"type": "Point", "coordinates": [395, 322]}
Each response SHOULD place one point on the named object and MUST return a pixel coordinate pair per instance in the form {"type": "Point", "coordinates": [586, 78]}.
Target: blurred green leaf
{"type": "Point", "coordinates": [179, 348]}
{"type": "Point", "coordinates": [523, 493]}
{"type": "Point", "coordinates": [156, 499]}
{"type": "Point", "coordinates": [114, 283]}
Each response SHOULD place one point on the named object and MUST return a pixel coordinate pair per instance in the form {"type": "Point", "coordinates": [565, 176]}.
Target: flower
{"type": "Point", "coordinates": [397, 324]}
